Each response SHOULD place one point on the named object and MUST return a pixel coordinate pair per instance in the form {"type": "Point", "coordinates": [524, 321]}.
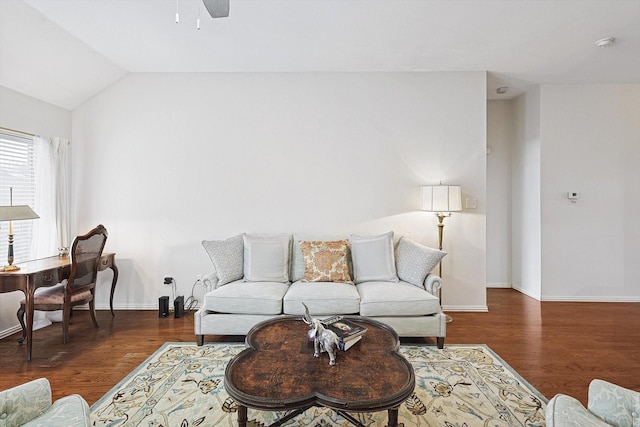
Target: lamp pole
{"type": "Point", "coordinates": [10, 267]}
{"type": "Point", "coordinates": [440, 230]}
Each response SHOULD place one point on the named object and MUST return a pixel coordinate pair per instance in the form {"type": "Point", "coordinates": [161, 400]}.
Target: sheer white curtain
{"type": "Point", "coordinates": [52, 178]}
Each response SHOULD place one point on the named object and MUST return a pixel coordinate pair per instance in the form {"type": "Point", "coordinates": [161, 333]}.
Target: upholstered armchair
{"type": "Point", "coordinates": [609, 405]}
{"type": "Point", "coordinates": [30, 405]}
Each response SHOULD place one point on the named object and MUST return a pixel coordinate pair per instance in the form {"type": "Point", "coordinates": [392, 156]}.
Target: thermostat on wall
{"type": "Point", "coordinates": [573, 195]}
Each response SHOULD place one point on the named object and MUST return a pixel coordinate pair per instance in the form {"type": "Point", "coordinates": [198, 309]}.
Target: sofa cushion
{"type": "Point", "coordinates": [227, 257]}
{"type": "Point", "coordinates": [242, 297]}
{"type": "Point", "coordinates": [266, 257]}
{"type": "Point", "coordinates": [395, 299]}
{"type": "Point", "coordinates": [325, 261]}
{"type": "Point", "coordinates": [322, 298]}
{"type": "Point", "coordinates": [414, 261]}
{"type": "Point", "coordinates": [373, 258]}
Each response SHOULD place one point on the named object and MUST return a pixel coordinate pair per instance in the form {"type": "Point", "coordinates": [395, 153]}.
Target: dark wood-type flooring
{"type": "Point", "coordinates": [558, 347]}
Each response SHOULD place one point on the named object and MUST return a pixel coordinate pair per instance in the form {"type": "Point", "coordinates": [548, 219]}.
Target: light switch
{"type": "Point", "coordinates": [471, 203]}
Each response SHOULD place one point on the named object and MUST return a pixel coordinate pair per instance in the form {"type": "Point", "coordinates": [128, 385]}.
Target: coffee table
{"type": "Point", "coordinates": [278, 372]}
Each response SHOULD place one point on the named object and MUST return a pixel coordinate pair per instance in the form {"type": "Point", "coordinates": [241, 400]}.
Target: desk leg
{"type": "Point", "coordinates": [113, 284]}
{"type": "Point", "coordinates": [29, 315]}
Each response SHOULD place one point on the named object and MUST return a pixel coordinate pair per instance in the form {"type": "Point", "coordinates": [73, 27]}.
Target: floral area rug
{"type": "Point", "coordinates": [460, 386]}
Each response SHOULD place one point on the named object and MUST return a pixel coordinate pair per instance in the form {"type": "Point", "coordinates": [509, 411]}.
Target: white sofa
{"type": "Point", "coordinates": [257, 277]}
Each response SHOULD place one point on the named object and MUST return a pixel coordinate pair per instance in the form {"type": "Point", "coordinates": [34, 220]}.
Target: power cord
{"type": "Point", "coordinates": [168, 280]}
{"type": "Point", "coordinates": [192, 302]}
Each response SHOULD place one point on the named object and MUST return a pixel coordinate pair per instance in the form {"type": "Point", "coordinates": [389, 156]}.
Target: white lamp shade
{"type": "Point", "coordinates": [441, 198]}
{"type": "Point", "coordinates": [16, 213]}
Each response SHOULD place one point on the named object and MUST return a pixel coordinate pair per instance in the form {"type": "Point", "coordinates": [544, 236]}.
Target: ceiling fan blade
{"type": "Point", "coordinates": [217, 8]}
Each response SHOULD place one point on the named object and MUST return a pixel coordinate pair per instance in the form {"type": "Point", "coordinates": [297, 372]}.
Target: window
{"type": "Point", "coordinates": [17, 172]}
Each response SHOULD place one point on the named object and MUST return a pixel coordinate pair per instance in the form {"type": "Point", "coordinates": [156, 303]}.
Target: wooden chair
{"type": "Point", "coordinates": [79, 288]}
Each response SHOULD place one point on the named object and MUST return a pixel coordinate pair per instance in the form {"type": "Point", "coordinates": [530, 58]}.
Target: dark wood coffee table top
{"type": "Point", "coordinates": [279, 372]}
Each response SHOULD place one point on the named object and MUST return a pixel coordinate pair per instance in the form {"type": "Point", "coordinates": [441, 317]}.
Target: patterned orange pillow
{"type": "Point", "coordinates": [325, 261]}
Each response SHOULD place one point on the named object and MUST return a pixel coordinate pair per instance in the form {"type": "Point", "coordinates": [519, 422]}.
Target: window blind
{"type": "Point", "coordinates": [17, 171]}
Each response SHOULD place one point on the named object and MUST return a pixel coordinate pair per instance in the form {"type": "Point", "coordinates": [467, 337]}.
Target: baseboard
{"type": "Point", "coordinates": [153, 306]}
{"type": "Point", "coordinates": [579, 298]}
{"type": "Point", "coordinates": [499, 285]}
{"type": "Point", "coordinates": [589, 299]}
{"type": "Point", "coordinates": [10, 331]}
{"type": "Point", "coordinates": [145, 306]}
{"type": "Point", "coordinates": [38, 323]}
{"type": "Point", "coordinates": [469, 308]}
{"type": "Point", "coordinates": [529, 294]}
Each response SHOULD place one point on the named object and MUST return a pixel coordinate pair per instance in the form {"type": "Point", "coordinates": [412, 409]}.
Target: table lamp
{"type": "Point", "coordinates": [14, 213]}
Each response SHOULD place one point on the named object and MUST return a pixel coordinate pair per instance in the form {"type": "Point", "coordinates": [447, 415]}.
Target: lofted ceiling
{"type": "Point", "coordinates": [66, 51]}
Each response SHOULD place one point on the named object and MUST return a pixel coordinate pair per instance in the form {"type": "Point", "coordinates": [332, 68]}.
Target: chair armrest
{"type": "Point", "coordinates": [433, 284]}
{"type": "Point", "coordinates": [68, 411]}
{"type": "Point", "coordinates": [614, 404]}
{"type": "Point", "coordinates": [210, 281]}
{"type": "Point", "coordinates": [23, 403]}
{"type": "Point", "coordinates": [566, 411]}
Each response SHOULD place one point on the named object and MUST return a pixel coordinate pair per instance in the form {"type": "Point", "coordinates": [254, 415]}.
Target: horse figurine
{"type": "Point", "coordinates": [323, 339]}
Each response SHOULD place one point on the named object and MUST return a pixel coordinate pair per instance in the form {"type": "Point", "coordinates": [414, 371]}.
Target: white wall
{"type": "Point", "coordinates": [586, 139]}
{"type": "Point", "coordinates": [525, 195]}
{"type": "Point", "coordinates": [590, 144]}
{"type": "Point", "coordinates": [167, 160]}
{"type": "Point", "coordinates": [26, 114]}
{"type": "Point", "coordinates": [500, 136]}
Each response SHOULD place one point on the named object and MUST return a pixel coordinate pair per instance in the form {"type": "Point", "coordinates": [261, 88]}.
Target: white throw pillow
{"type": "Point", "coordinates": [373, 258]}
{"type": "Point", "coordinates": [415, 261]}
{"type": "Point", "coordinates": [227, 258]}
{"type": "Point", "coordinates": [266, 257]}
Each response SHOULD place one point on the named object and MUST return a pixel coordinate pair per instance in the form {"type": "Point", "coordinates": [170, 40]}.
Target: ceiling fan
{"type": "Point", "coordinates": [217, 8]}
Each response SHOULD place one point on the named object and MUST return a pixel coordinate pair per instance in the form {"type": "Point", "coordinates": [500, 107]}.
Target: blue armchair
{"type": "Point", "coordinates": [30, 405]}
{"type": "Point", "coordinates": [609, 405]}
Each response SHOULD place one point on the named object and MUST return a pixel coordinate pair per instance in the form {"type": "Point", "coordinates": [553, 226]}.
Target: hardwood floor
{"type": "Point", "coordinates": [557, 347]}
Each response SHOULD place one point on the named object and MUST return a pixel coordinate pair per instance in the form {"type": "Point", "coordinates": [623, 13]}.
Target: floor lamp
{"type": "Point", "coordinates": [441, 199]}
{"type": "Point", "coordinates": [14, 213]}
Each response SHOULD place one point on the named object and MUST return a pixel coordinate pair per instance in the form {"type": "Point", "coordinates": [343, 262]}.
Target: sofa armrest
{"type": "Point", "coordinates": [23, 403]}
{"type": "Point", "coordinates": [566, 411]}
{"type": "Point", "coordinates": [614, 404]}
{"type": "Point", "coordinates": [210, 281]}
{"type": "Point", "coordinates": [433, 284]}
{"type": "Point", "coordinates": [68, 411]}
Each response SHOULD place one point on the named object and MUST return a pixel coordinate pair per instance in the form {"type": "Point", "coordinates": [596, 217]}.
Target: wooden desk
{"type": "Point", "coordinates": [47, 272]}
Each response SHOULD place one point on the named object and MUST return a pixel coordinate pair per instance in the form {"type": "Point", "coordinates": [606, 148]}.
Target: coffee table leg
{"type": "Point", "coordinates": [242, 416]}
{"type": "Point", "coordinates": [393, 417]}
